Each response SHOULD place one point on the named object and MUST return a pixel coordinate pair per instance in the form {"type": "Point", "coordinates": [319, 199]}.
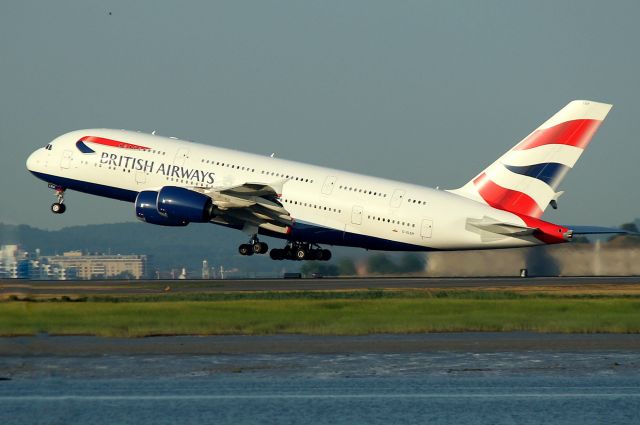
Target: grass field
{"type": "Point", "coordinates": [323, 313]}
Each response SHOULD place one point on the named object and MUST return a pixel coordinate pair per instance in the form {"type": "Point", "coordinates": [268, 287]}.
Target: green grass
{"type": "Point", "coordinates": [322, 313]}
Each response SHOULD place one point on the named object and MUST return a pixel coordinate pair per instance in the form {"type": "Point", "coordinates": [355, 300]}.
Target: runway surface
{"type": "Point", "coordinates": [140, 287]}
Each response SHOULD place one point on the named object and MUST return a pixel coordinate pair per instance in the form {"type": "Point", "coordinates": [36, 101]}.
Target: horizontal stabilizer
{"type": "Point", "coordinates": [506, 229]}
{"type": "Point", "coordinates": [598, 230]}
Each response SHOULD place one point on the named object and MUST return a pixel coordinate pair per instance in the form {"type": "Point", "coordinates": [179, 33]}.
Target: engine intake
{"type": "Point", "coordinates": [173, 206]}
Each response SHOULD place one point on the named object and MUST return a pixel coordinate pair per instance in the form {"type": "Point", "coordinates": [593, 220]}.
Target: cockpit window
{"type": "Point", "coordinates": [48, 147]}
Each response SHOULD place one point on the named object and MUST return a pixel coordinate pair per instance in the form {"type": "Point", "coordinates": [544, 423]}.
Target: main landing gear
{"type": "Point", "coordinates": [300, 251]}
{"type": "Point", "coordinates": [297, 251]}
{"type": "Point", "coordinates": [58, 207]}
{"type": "Point", "coordinates": [253, 247]}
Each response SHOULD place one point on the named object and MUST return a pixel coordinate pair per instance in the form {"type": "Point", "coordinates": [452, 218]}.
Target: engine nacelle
{"type": "Point", "coordinates": [173, 206]}
{"type": "Point", "coordinates": [180, 203]}
{"type": "Point", "coordinates": [147, 210]}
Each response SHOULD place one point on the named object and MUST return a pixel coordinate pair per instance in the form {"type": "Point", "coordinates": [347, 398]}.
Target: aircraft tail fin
{"type": "Point", "coordinates": [525, 179]}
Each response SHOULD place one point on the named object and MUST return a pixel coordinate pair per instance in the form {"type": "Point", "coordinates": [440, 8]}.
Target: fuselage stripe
{"type": "Point", "coordinates": [112, 143]}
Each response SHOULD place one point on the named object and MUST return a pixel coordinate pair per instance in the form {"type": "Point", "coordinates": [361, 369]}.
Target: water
{"type": "Point", "coordinates": [435, 388]}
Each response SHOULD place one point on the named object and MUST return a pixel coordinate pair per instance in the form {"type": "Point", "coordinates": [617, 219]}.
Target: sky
{"type": "Point", "coordinates": [419, 91]}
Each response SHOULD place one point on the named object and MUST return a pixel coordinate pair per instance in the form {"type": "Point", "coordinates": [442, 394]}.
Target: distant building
{"type": "Point", "coordinates": [12, 262]}
{"type": "Point", "coordinates": [98, 266]}
{"type": "Point", "coordinates": [205, 269]}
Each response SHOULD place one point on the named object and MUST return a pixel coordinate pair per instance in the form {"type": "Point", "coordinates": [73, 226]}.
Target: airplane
{"type": "Point", "coordinates": [174, 182]}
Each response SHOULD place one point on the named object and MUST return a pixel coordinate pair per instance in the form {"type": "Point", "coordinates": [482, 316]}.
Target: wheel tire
{"type": "Point", "coordinates": [318, 255]}
{"type": "Point", "coordinates": [245, 249]}
{"type": "Point", "coordinates": [58, 208]}
{"type": "Point", "coordinates": [326, 255]}
{"type": "Point", "coordinates": [300, 254]}
{"type": "Point", "coordinates": [264, 248]}
{"type": "Point", "coordinates": [277, 254]}
{"type": "Point", "coordinates": [256, 248]}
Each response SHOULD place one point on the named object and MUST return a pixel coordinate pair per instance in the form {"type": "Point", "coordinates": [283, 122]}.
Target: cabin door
{"type": "Point", "coordinates": [327, 188]}
{"type": "Point", "coordinates": [356, 214]}
{"type": "Point", "coordinates": [427, 228]}
{"type": "Point", "coordinates": [397, 197]}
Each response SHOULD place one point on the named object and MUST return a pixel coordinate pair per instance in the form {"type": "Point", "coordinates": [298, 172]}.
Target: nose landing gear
{"type": "Point", "coordinates": [59, 206]}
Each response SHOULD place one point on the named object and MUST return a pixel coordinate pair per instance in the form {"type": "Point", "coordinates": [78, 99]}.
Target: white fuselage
{"type": "Point", "coordinates": [369, 212]}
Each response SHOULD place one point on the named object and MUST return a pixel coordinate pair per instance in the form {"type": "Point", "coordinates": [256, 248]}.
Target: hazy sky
{"type": "Point", "coordinates": [420, 91]}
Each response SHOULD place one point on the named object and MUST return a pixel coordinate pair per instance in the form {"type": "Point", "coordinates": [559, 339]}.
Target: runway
{"type": "Point", "coordinates": [141, 287]}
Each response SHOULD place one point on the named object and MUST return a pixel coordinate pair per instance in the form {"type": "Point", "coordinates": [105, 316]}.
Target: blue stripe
{"type": "Point", "coordinates": [551, 172]}
{"type": "Point", "coordinates": [84, 148]}
{"type": "Point", "coordinates": [91, 188]}
{"type": "Point", "coordinates": [310, 232]}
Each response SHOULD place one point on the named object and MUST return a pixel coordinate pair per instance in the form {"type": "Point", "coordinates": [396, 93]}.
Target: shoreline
{"type": "Point", "coordinates": [76, 346]}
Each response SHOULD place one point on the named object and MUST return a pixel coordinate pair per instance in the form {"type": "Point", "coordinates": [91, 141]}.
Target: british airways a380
{"type": "Point", "coordinates": [174, 182]}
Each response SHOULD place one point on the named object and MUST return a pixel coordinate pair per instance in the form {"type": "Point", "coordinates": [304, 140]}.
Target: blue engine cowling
{"type": "Point", "coordinates": [173, 206]}
{"type": "Point", "coordinates": [147, 210]}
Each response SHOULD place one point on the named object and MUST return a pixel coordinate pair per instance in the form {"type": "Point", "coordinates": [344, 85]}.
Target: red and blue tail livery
{"type": "Point", "coordinates": [526, 178]}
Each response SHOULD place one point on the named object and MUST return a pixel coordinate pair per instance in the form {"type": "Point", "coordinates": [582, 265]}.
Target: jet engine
{"type": "Point", "coordinates": [173, 206]}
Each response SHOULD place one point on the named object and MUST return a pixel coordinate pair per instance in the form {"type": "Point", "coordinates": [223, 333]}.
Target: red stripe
{"type": "Point", "coordinates": [576, 133]}
{"type": "Point", "coordinates": [113, 143]}
{"type": "Point", "coordinates": [506, 199]}
{"type": "Point", "coordinates": [521, 205]}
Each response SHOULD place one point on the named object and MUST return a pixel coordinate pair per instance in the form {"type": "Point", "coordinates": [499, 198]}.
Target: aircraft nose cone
{"type": "Point", "coordinates": [32, 161]}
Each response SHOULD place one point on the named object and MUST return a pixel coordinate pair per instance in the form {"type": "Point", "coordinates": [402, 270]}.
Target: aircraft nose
{"type": "Point", "coordinates": [32, 161]}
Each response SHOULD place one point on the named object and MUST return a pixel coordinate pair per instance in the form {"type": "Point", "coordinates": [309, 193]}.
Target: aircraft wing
{"type": "Point", "coordinates": [250, 205]}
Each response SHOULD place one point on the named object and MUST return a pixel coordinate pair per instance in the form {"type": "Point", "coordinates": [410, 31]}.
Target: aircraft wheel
{"type": "Point", "coordinates": [245, 249]}
{"type": "Point", "coordinates": [300, 254]}
{"type": "Point", "coordinates": [58, 208]}
{"type": "Point", "coordinates": [318, 254]}
{"type": "Point", "coordinates": [260, 248]}
{"type": "Point", "coordinates": [326, 255]}
{"type": "Point", "coordinates": [276, 254]}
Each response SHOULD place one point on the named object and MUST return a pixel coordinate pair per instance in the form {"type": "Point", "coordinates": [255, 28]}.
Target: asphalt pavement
{"type": "Point", "coordinates": [112, 287]}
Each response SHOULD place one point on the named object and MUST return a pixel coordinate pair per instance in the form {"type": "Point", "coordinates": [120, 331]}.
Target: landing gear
{"type": "Point", "coordinates": [245, 249]}
{"type": "Point", "coordinates": [253, 247]}
{"type": "Point", "coordinates": [58, 207]}
{"type": "Point", "coordinates": [299, 251]}
{"type": "Point", "coordinates": [260, 248]}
